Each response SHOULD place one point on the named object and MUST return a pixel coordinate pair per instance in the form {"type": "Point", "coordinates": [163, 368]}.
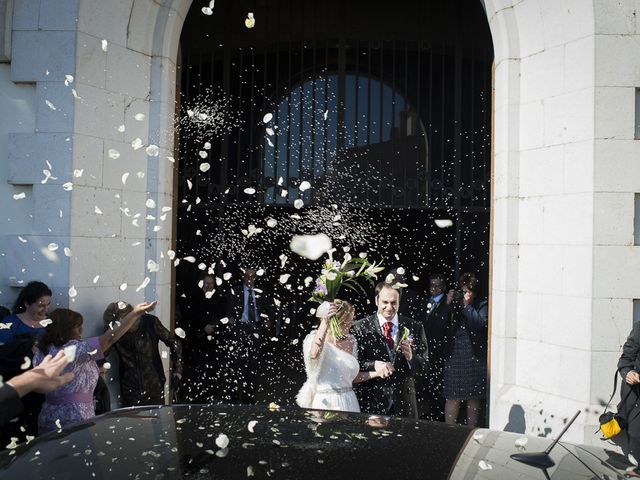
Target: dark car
{"type": "Point", "coordinates": [239, 442]}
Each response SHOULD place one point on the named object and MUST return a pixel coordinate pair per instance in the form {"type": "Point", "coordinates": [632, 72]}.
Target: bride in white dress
{"type": "Point", "coordinates": [332, 365]}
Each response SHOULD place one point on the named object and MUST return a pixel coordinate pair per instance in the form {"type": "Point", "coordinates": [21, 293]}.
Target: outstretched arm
{"type": "Point", "coordinates": [108, 338]}
{"type": "Point", "coordinates": [44, 378]}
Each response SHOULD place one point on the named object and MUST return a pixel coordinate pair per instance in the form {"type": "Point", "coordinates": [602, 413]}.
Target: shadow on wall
{"type": "Point", "coordinates": [517, 422]}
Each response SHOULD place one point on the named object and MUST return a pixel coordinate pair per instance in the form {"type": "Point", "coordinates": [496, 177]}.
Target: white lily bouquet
{"type": "Point", "coordinates": [336, 275]}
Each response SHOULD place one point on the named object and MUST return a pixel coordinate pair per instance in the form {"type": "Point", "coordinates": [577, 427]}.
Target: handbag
{"type": "Point", "coordinates": [611, 424]}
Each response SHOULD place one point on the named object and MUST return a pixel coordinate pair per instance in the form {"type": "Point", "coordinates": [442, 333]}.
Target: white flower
{"type": "Point", "coordinates": [250, 21]}
{"type": "Point", "coordinates": [331, 276]}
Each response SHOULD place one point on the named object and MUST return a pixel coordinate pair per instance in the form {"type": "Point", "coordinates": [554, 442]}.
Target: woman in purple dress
{"type": "Point", "coordinates": [74, 401]}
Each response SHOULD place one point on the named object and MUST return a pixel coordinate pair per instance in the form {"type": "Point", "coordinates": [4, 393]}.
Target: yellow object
{"type": "Point", "coordinates": [611, 428]}
{"type": "Point", "coordinates": [250, 21]}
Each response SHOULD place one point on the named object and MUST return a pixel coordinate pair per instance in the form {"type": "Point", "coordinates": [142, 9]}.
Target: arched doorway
{"type": "Point", "coordinates": [385, 112]}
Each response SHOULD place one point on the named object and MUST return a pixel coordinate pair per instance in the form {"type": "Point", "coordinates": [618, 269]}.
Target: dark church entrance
{"type": "Point", "coordinates": [367, 121]}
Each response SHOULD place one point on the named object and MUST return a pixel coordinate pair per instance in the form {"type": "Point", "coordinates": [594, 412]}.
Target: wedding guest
{"type": "Point", "coordinates": [250, 313]}
{"type": "Point", "coordinates": [16, 343]}
{"type": "Point", "coordinates": [73, 402]}
{"type": "Point", "coordinates": [435, 323]}
{"type": "Point", "coordinates": [629, 409]}
{"type": "Point", "coordinates": [142, 378]}
{"type": "Point", "coordinates": [465, 369]}
{"type": "Point", "coordinates": [44, 378]}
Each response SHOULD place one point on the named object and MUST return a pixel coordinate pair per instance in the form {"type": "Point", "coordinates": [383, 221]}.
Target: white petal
{"type": "Point", "coordinates": [304, 186]}
{"type": "Point", "coordinates": [19, 196]}
{"type": "Point", "coordinates": [52, 247]}
{"type": "Point", "coordinates": [104, 45]}
{"type": "Point", "coordinates": [50, 105]}
{"type": "Point", "coordinates": [153, 150]}
{"type": "Point", "coordinates": [113, 153]}
{"type": "Point", "coordinates": [70, 353]}
{"type": "Point", "coordinates": [310, 246]}
{"type": "Point", "coordinates": [139, 116]}
{"type": "Point", "coordinates": [284, 278]}
{"type": "Point", "coordinates": [207, 10]}
{"type": "Point", "coordinates": [260, 272]}
{"type": "Point", "coordinates": [222, 441]}
{"type": "Point", "coordinates": [121, 128]}
{"type": "Point", "coordinates": [152, 266]}
{"type": "Point", "coordinates": [46, 321]}
{"type": "Point", "coordinates": [180, 332]}
{"type": "Point", "coordinates": [400, 270]}
{"type": "Point", "coordinates": [272, 222]}
{"type": "Point", "coordinates": [226, 276]}
{"type": "Point", "coordinates": [484, 465]}
{"type": "Point", "coordinates": [443, 223]}
{"type": "Point", "coordinates": [124, 178]}
{"type": "Point", "coordinates": [249, 190]}
{"type": "Point", "coordinates": [204, 167]}
{"type": "Point", "coordinates": [270, 131]}
{"type": "Point", "coordinates": [269, 142]}
{"type": "Point", "coordinates": [203, 154]}
{"type": "Point", "coordinates": [267, 118]}
{"type": "Point", "coordinates": [67, 186]}
{"type": "Point", "coordinates": [77, 173]}
{"type": "Point", "coordinates": [190, 259]}
{"type": "Point", "coordinates": [123, 287]}
{"type": "Point", "coordinates": [137, 143]}
{"type": "Point", "coordinates": [251, 425]}
{"type": "Point", "coordinates": [298, 203]}
{"type": "Point", "coordinates": [25, 364]}
{"type": "Point", "coordinates": [144, 284]}
{"type": "Point", "coordinates": [150, 203]}
{"type": "Point", "coordinates": [97, 210]}
{"type": "Point", "coordinates": [96, 278]}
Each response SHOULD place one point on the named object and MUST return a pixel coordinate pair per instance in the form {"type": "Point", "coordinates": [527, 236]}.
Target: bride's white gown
{"type": "Point", "coordinates": [329, 378]}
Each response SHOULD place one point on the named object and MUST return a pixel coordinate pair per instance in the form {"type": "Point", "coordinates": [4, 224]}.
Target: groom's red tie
{"type": "Point", "coordinates": [386, 331]}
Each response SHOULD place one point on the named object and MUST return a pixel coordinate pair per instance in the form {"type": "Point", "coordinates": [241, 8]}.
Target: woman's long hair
{"type": "Point", "coordinates": [59, 332]}
{"type": "Point", "coordinates": [31, 292]}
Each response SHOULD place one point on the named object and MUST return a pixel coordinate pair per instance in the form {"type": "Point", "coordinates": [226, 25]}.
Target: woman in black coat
{"type": "Point", "coordinates": [629, 407]}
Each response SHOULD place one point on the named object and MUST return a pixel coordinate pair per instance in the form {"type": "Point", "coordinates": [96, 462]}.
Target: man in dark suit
{"type": "Point", "coordinates": [435, 321]}
{"type": "Point", "coordinates": [250, 314]}
{"type": "Point", "coordinates": [381, 349]}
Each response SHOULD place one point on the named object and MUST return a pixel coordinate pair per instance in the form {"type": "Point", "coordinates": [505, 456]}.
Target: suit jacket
{"type": "Point", "coordinates": [629, 406]}
{"type": "Point", "coordinates": [375, 396]}
{"type": "Point", "coordinates": [235, 307]}
{"type": "Point", "coordinates": [10, 404]}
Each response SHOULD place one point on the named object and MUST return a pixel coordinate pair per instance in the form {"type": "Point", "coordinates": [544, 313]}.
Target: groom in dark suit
{"type": "Point", "coordinates": [380, 349]}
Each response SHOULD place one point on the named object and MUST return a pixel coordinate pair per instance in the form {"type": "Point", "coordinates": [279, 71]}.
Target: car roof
{"type": "Point", "coordinates": [239, 441]}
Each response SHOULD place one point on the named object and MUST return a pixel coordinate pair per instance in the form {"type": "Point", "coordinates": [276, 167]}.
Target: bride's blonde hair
{"type": "Point", "coordinates": [344, 309]}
